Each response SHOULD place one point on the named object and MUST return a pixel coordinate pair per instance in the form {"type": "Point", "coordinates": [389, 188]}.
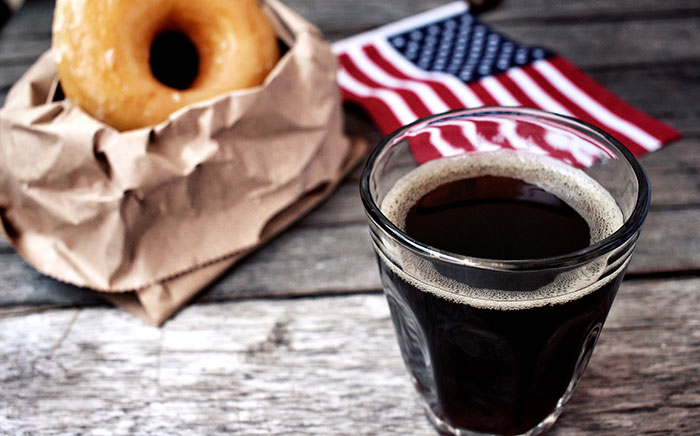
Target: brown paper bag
{"type": "Point", "coordinates": [150, 216]}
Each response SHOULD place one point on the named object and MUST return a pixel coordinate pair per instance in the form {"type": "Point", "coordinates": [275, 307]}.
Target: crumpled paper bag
{"type": "Point", "coordinates": [150, 216]}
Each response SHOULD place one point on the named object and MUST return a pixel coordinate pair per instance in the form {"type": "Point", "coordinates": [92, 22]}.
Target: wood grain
{"type": "Point", "coordinates": [314, 366]}
{"type": "Point", "coordinates": [339, 259]}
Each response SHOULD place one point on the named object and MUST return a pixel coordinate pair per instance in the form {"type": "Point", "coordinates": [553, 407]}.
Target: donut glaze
{"type": "Point", "coordinates": [102, 50]}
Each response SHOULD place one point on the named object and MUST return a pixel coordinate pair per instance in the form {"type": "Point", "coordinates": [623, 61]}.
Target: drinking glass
{"type": "Point", "coordinates": [497, 345]}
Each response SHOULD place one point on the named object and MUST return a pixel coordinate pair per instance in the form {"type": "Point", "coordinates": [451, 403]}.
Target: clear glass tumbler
{"type": "Point", "coordinates": [496, 343]}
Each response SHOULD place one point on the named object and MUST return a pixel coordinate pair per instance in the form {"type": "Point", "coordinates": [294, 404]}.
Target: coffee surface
{"type": "Point", "coordinates": [496, 217]}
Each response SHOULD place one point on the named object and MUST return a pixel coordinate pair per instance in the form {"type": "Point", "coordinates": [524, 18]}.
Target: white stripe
{"type": "Point", "coordinates": [581, 153]}
{"type": "Point", "coordinates": [537, 94]}
{"type": "Point", "coordinates": [465, 95]}
{"type": "Point", "coordinates": [478, 141]}
{"type": "Point", "coordinates": [400, 26]}
{"type": "Point", "coordinates": [395, 103]}
{"type": "Point", "coordinates": [595, 109]}
{"type": "Point", "coordinates": [469, 132]}
{"type": "Point", "coordinates": [508, 129]}
{"type": "Point", "coordinates": [581, 150]}
{"type": "Point", "coordinates": [499, 92]}
{"type": "Point", "coordinates": [442, 146]}
{"type": "Point", "coordinates": [584, 152]}
{"type": "Point", "coordinates": [424, 92]}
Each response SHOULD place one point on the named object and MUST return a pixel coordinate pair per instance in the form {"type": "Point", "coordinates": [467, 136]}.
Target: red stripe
{"type": "Point", "coordinates": [455, 136]}
{"type": "Point", "coordinates": [538, 135]}
{"type": "Point", "coordinates": [578, 112]}
{"type": "Point", "coordinates": [483, 94]}
{"type": "Point", "coordinates": [557, 95]}
{"type": "Point", "coordinates": [422, 149]}
{"type": "Point", "coordinates": [491, 131]}
{"type": "Point", "coordinates": [411, 99]}
{"type": "Point", "coordinates": [516, 91]}
{"type": "Point", "coordinates": [440, 89]}
{"type": "Point", "coordinates": [377, 108]}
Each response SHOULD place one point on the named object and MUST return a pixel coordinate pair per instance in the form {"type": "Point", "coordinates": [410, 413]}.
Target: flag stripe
{"type": "Point", "coordinates": [420, 96]}
{"type": "Point", "coordinates": [442, 92]}
{"type": "Point", "coordinates": [409, 98]}
{"type": "Point", "coordinates": [483, 94]}
{"type": "Point", "coordinates": [525, 100]}
{"type": "Point", "coordinates": [456, 136]}
{"type": "Point", "coordinates": [576, 110]}
{"type": "Point", "coordinates": [422, 150]}
{"type": "Point", "coordinates": [466, 97]}
{"type": "Point", "coordinates": [528, 86]}
{"type": "Point", "coordinates": [538, 135]}
{"type": "Point", "coordinates": [498, 92]}
{"type": "Point", "coordinates": [378, 102]}
{"type": "Point", "coordinates": [639, 141]}
{"type": "Point", "coordinates": [438, 141]}
{"type": "Point", "coordinates": [517, 92]}
{"type": "Point", "coordinates": [655, 128]}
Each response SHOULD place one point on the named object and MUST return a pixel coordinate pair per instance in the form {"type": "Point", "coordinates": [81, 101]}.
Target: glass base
{"type": "Point", "coordinates": [448, 430]}
{"type": "Point", "coordinates": [544, 425]}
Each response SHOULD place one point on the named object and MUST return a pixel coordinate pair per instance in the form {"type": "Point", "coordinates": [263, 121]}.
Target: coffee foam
{"type": "Point", "coordinates": [572, 185]}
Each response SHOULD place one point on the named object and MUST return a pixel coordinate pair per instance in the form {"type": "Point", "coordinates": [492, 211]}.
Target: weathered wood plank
{"type": "Point", "coordinates": [680, 188]}
{"type": "Point", "coordinates": [668, 92]}
{"type": "Point", "coordinates": [338, 18]}
{"type": "Point", "coordinates": [36, 15]}
{"type": "Point", "coordinates": [33, 22]}
{"type": "Point", "coordinates": [659, 248]}
{"type": "Point", "coordinates": [340, 259]}
{"type": "Point", "coordinates": [598, 44]}
{"type": "Point", "coordinates": [684, 154]}
{"type": "Point", "coordinates": [23, 286]}
{"type": "Point", "coordinates": [587, 44]}
{"type": "Point", "coordinates": [22, 51]}
{"type": "Point", "coordinates": [636, 362]}
{"type": "Point", "coordinates": [316, 259]}
{"type": "Point", "coordinates": [592, 10]}
{"type": "Point", "coordinates": [314, 366]}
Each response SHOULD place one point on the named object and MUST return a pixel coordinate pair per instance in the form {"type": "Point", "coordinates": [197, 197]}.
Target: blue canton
{"type": "Point", "coordinates": [464, 47]}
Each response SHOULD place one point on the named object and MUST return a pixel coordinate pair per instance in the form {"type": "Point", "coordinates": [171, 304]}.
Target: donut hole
{"type": "Point", "coordinates": [174, 59]}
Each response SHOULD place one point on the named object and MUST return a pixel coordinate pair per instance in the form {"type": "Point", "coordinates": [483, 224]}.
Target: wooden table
{"type": "Point", "coordinates": [297, 338]}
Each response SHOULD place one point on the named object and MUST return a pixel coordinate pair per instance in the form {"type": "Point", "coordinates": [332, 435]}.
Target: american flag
{"type": "Point", "coordinates": [447, 59]}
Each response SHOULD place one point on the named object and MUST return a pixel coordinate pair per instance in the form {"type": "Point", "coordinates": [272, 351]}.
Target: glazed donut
{"type": "Point", "coordinates": [109, 54]}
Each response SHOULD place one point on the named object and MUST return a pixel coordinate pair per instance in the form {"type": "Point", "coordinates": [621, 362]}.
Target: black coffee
{"type": "Point", "coordinates": [497, 218]}
{"type": "Point", "coordinates": [495, 371]}
{"type": "Point", "coordinates": [483, 364]}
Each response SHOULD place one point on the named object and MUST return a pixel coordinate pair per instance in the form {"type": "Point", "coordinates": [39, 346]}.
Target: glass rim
{"type": "Point", "coordinates": [620, 237]}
